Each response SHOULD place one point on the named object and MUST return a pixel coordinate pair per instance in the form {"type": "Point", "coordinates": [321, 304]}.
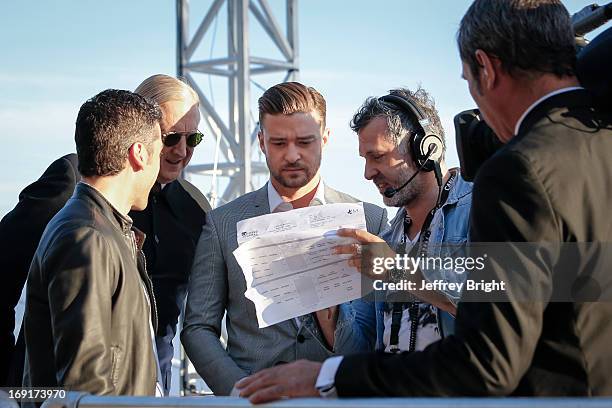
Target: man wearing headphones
{"type": "Point", "coordinates": [544, 198]}
{"type": "Point", "coordinates": [402, 141]}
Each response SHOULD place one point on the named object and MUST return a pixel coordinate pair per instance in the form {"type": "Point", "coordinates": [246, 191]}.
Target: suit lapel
{"type": "Point", "coordinates": [261, 200]}
{"type": "Point", "coordinates": [334, 196]}
{"type": "Point", "coordinates": [331, 195]}
{"type": "Point", "coordinates": [259, 205]}
{"type": "Point", "coordinates": [174, 197]}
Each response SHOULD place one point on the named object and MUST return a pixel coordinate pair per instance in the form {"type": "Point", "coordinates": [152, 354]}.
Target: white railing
{"type": "Point", "coordinates": [83, 400]}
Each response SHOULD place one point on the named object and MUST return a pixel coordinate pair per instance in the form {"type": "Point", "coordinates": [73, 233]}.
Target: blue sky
{"type": "Point", "coordinates": [56, 54]}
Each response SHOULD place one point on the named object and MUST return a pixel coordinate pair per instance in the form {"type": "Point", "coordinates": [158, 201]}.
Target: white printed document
{"type": "Point", "coordinates": [288, 263]}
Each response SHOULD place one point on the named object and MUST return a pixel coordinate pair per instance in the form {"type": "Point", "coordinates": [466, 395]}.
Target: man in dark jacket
{"type": "Point", "coordinates": [549, 184]}
{"type": "Point", "coordinates": [90, 310]}
{"type": "Point", "coordinates": [176, 210]}
{"type": "Point", "coordinates": [20, 231]}
{"type": "Point", "coordinates": [172, 223]}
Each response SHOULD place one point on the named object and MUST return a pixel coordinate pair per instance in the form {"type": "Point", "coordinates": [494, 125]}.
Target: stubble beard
{"type": "Point", "coordinates": [294, 182]}
{"type": "Point", "coordinates": [408, 194]}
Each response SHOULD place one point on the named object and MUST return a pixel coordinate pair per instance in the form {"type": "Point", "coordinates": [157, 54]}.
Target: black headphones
{"type": "Point", "coordinates": [426, 145]}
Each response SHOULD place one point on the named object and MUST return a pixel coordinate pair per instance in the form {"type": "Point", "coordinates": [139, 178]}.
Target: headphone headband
{"type": "Point", "coordinates": [406, 104]}
{"type": "Point", "coordinates": [422, 140]}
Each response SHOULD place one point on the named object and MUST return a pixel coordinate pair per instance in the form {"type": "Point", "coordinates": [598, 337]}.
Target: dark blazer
{"type": "Point", "coordinates": [90, 307]}
{"type": "Point", "coordinates": [551, 183]}
{"type": "Point", "coordinates": [20, 231]}
{"type": "Point", "coordinates": [173, 223]}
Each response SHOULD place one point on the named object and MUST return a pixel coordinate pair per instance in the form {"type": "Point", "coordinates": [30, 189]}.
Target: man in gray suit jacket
{"type": "Point", "coordinates": [292, 136]}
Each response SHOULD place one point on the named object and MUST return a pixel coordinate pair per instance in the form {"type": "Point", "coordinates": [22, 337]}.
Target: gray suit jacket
{"type": "Point", "coordinates": [217, 285]}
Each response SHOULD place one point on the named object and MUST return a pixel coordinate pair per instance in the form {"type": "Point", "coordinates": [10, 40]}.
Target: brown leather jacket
{"type": "Point", "coordinates": [87, 319]}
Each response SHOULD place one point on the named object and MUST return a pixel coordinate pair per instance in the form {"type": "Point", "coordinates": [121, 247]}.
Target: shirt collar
{"type": "Point", "coordinates": [278, 204]}
{"type": "Point", "coordinates": [460, 188]}
{"type": "Point", "coordinates": [542, 99]}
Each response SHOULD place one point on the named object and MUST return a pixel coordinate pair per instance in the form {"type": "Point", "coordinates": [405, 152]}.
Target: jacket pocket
{"type": "Point", "coordinates": [455, 267]}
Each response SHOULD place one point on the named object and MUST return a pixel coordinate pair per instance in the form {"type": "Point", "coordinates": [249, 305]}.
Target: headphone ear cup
{"type": "Point", "coordinates": [420, 147]}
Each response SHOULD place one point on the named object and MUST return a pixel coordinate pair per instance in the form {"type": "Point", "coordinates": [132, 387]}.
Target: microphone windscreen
{"type": "Point", "coordinates": [390, 192]}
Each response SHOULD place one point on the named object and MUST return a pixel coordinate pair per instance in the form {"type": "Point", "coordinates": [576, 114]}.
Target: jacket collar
{"type": "Point", "coordinates": [461, 188]}
{"type": "Point", "coordinates": [260, 200]}
{"type": "Point", "coordinates": [537, 102]}
{"type": "Point", "coordinates": [569, 99]}
{"type": "Point", "coordinates": [122, 222]}
{"type": "Point", "coordinates": [333, 196]}
{"type": "Point", "coordinates": [168, 192]}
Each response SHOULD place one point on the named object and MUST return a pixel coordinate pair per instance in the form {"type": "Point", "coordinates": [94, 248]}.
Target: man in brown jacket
{"type": "Point", "coordinates": [90, 311]}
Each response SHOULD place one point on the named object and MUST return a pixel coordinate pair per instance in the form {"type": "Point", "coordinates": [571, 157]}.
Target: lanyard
{"type": "Point", "coordinates": [425, 230]}
{"type": "Point", "coordinates": [423, 243]}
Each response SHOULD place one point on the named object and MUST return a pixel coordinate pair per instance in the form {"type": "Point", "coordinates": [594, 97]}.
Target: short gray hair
{"type": "Point", "coordinates": [528, 36]}
{"type": "Point", "coordinates": [164, 88]}
{"type": "Point", "coordinates": [401, 125]}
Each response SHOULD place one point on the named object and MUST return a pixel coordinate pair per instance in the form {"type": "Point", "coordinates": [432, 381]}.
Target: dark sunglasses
{"type": "Point", "coordinates": [191, 138]}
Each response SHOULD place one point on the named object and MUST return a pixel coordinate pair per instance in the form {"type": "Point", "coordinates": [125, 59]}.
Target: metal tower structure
{"type": "Point", "coordinates": [236, 138]}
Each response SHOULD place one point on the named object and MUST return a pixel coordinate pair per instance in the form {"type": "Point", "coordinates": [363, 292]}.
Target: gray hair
{"type": "Point", "coordinates": [164, 88]}
{"type": "Point", "coordinates": [530, 37]}
{"type": "Point", "coordinates": [401, 125]}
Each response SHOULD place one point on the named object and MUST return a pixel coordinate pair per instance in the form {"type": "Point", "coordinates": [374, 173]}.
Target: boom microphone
{"type": "Point", "coordinates": [390, 191]}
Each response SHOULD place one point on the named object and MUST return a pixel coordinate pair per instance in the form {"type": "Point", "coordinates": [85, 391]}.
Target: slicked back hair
{"type": "Point", "coordinates": [165, 88]}
{"type": "Point", "coordinates": [288, 98]}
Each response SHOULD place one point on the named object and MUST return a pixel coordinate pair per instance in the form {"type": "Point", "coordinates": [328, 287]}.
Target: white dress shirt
{"type": "Point", "coordinates": [277, 204]}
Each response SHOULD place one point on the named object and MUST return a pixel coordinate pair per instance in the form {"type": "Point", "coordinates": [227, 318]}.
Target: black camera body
{"type": "Point", "coordinates": [476, 141]}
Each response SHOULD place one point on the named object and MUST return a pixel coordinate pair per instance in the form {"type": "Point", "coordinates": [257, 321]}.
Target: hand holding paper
{"type": "Point", "coordinates": [289, 264]}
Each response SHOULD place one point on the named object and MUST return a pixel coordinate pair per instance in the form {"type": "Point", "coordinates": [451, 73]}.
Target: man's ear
{"type": "Point", "coordinates": [260, 137]}
{"type": "Point", "coordinates": [489, 70]}
{"type": "Point", "coordinates": [138, 156]}
{"type": "Point", "coordinates": [325, 137]}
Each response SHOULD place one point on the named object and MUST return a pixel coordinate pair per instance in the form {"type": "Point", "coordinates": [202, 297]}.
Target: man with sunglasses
{"type": "Point", "coordinates": [172, 222]}
{"type": "Point", "coordinates": [176, 209]}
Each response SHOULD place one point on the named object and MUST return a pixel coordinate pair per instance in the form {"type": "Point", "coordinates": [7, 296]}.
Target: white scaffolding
{"type": "Point", "coordinates": [236, 138]}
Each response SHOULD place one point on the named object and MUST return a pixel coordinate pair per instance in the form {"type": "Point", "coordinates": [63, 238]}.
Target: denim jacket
{"type": "Point", "coordinates": [449, 225]}
{"type": "Point", "coordinates": [355, 328]}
